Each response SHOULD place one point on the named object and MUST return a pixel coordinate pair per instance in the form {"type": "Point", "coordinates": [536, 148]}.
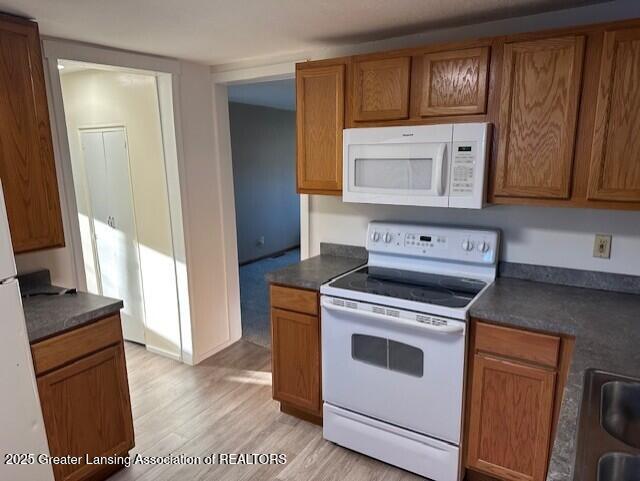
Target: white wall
{"type": "Point", "coordinates": [531, 235]}
{"type": "Point", "coordinates": [263, 143]}
{"type": "Point", "coordinates": [214, 290]}
{"type": "Point", "coordinates": [101, 98]}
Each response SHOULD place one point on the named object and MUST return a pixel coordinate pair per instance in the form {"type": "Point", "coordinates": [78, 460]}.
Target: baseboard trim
{"type": "Point", "coordinates": [197, 359]}
{"type": "Point", "coordinates": [163, 352]}
{"type": "Point", "coordinates": [300, 414]}
{"type": "Point", "coordinates": [266, 256]}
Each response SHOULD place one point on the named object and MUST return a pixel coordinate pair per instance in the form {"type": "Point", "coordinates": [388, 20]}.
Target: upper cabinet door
{"type": "Point", "coordinates": [319, 125]}
{"type": "Point", "coordinates": [381, 89]}
{"type": "Point", "coordinates": [615, 153]}
{"type": "Point", "coordinates": [454, 82]}
{"type": "Point", "coordinates": [538, 109]}
{"type": "Point", "coordinates": [27, 166]}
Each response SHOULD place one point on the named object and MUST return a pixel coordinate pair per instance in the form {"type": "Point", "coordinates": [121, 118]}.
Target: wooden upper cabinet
{"type": "Point", "coordinates": [454, 82]}
{"type": "Point", "coordinates": [510, 419]}
{"type": "Point", "coordinates": [27, 167]}
{"type": "Point", "coordinates": [615, 154]}
{"type": "Point", "coordinates": [319, 125]}
{"type": "Point", "coordinates": [537, 121]}
{"type": "Point", "coordinates": [381, 89]}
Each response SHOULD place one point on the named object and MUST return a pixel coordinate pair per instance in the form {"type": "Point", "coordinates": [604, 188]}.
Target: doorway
{"type": "Point", "coordinates": [267, 206]}
{"type": "Point", "coordinates": [117, 144]}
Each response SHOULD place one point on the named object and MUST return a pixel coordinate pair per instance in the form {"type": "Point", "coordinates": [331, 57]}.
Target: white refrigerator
{"type": "Point", "coordinates": [22, 428]}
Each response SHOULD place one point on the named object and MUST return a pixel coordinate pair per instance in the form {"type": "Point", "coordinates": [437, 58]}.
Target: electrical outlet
{"type": "Point", "coordinates": [602, 246]}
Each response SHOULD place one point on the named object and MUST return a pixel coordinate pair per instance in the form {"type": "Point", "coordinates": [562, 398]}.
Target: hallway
{"type": "Point", "coordinates": [254, 296]}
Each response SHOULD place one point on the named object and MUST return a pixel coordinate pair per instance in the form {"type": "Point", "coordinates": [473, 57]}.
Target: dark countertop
{"type": "Point", "coordinates": [313, 272]}
{"type": "Point", "coordinates": [606, 327]}
{"type": "Point", "coordinates": [47, 316]}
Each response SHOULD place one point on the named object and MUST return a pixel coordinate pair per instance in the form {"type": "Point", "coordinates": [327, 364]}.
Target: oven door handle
{"type": "Point", "coordinates": [450, 329]}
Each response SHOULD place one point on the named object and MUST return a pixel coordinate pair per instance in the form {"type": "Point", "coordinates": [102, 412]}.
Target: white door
{"type": "Point", "coordinates": [107, 166]}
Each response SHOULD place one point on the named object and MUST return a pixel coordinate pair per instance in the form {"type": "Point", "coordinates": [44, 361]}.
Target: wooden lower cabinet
{"type": "Point", "coordinates": [87, 411]}
{"type": "Point", "coordinates": [512, 401]}
{"type": "Point", "coordinates": [296, 358]}
{"type": "Point", "coordinates": [511, 413]}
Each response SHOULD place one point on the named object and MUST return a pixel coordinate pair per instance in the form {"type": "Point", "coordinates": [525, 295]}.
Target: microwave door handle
{"type": "Point", "coordinates": [439, 174]}
{"type": "Point", "coordinates": [451, 329]}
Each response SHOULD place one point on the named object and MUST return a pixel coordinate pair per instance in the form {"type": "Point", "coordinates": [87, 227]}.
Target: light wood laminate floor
{"type": "Point", "coordinates": [224, 405]}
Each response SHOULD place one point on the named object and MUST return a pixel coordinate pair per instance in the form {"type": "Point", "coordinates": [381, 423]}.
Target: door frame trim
{"type": "Point", "coordinates": [220, 81]}
{"type": "Point", "coordinates": [167, 73]}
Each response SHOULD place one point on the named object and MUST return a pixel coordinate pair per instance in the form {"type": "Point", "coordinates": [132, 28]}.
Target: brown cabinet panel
{"type": "Point", "coordinates": [615, 154]}
{"type": "Point", "coordinates": [65, 348]}
{"type": "Point", "coordinates": [296, 360]}
{"type": "Point", "coordinates": [381, 89]}
{"type": "Point", "coordinates": [319, 124]}
{"type": "Point", "coordinates": [87, 410]}
{"type": "Point", "coordinates": [298, 300]}
{"type": "Point", "coordinates": [510, 419]}
{"type": "Point", "coordinates": [527, 346]}
{"type": "Point", "coordinates": [537, 121]}
{"type": "Point", "coordinates": [27, 166]}
{"type": "Point", "coordinates": [454, 82]}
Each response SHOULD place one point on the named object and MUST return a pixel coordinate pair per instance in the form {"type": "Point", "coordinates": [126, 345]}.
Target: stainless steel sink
{"type": "Point", "coordinates": [619, 467]}
{"type": "Point", "coordinates": [621, 411]}
{"type": "Point", "coordinates": [608, 447]}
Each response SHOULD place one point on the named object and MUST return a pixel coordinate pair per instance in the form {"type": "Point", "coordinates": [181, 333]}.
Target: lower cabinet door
{"type": "Point", "coordinates": [510, 419]}
{"type": "Point", "coordinates": [87, 411]}
{"type": "Point", "coordinates": [296, 360]}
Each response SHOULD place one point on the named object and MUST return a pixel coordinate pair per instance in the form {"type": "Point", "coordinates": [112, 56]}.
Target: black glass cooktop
{"type": "Point", "coordinates": [413, 286]}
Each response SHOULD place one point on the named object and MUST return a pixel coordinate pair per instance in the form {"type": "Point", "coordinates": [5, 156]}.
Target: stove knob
{"type": "Point", "coordinates": [467, 245]}
{"type": "Point", "coordinates": [483, 246]}
{"type": "Point", "coordinates": [375, 236]}
{"type": "Point", "coordinates": [388, 237]}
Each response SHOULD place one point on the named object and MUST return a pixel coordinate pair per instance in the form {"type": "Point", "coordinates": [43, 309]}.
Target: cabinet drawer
{"type": "Point", "coordinates": [298, 300]}
{"type": "Point", "coordinates": [59, 350]}
{"type": "Point", "coordinates": [513, 343]}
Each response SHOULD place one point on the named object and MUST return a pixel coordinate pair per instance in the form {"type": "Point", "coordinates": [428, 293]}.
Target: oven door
{"type": "Point", "coordinates": [402, 372]}
{"type": "Point", "coordinates": [395, 165]}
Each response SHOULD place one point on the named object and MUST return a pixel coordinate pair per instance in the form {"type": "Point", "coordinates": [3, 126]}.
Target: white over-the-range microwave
{"type": "Point", "coordinates": [442, 165]}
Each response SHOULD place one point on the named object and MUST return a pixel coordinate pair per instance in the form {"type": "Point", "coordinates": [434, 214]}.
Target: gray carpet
{"type": "Point", "coordinates": [254, 296]}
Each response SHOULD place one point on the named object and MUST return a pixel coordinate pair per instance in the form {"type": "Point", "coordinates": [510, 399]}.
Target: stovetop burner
{"type": "Point", "coordinates": [422, 287]}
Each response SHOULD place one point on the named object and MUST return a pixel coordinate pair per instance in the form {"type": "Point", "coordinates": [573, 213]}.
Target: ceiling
{"type": "Point", "coordinates": [279, 94]}
{"type": "Point", "coordinates": [226, 31]}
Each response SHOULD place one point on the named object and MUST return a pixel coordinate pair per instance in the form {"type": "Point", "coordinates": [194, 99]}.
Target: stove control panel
{"type": "Point", "coordinates": [479, 246]}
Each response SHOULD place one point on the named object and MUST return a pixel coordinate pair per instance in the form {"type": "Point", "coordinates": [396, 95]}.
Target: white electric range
{"type": "Point", "coordinates": [394, 343]}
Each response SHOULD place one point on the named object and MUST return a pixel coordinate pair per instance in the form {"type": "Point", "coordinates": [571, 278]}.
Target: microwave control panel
{"type": "Point", "coordinates": [463, 168]}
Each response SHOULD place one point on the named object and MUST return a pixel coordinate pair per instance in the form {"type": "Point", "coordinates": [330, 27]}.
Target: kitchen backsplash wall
{"type": "Point", "coordinates": [559, 237]}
